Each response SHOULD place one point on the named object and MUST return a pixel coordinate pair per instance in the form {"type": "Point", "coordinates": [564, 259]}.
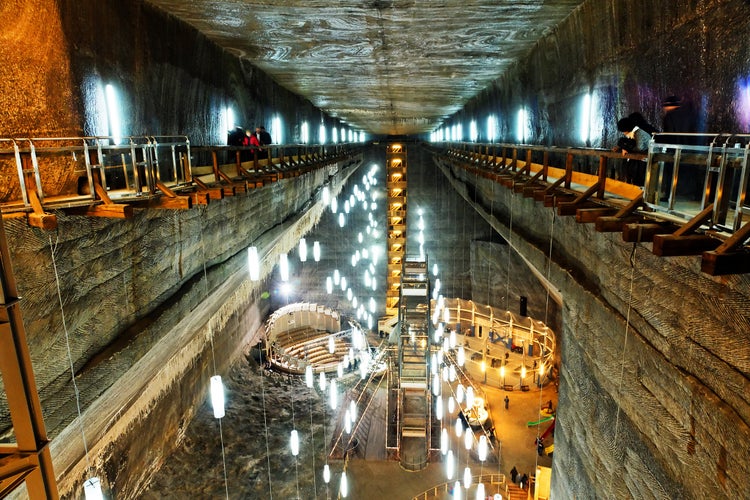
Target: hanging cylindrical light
{"type": "Point", "coordinates": [452, 373]}
{"type": "Point", "coordinates": [309, 376]}
{"type": "Point", "coordinates": [468, 439]}
{"type": "Point", "coordinates": [445, 373]}
{"type": "Point", "coordinates": [346, 206]}
{"type": "Point", "coordinates": [329, 285]}
{"type": "Point", "coordinates": [333, 396]}
{"type": "Point", "coordinates": [446, 345]}
{"type": "Point", "coordinates": [347, 422]}
{"type": "Point", "coordinates": [340, 370]}
{"type": "Point", "coordinates": [92, 489]}
{"type": "Point", "coordinates": [316, 251]}
{"type": "Point", "coordinates": [334, 205]}
{"type": "Point", "coordinates": [439, 408]}
{"type": "Point", "coordinates": [326, 196]}
{"type": "Point", "coordinates": [253, 263]}
{"type": "Point", "coordinates": [344, 485]}
{"type": "Point", "coordinates": [459, 427]}
{"type": "Point", "coordinates": [354, 261]}
{"type": "Point", "coordinates": [446, 315]}
{"type": "Point", "coordinates": [469, 397]}
{"type": "Point", "coordinates": [459, 393]}
{"type": "Point", "coordinates": [444, 441]}
{"type": "Point", "coordinates": [326, 473]}
{"type": "Point", "coordinates": [451, 405]}
{"type": "Point", "coordinates": [343, 284]}
{"type": "Point", "coordinates": [482, 448]}
{"type": "Point", "coordinates": [372, 305]}
{"type": "Point", "coordinates": [461, 356]}
{"type": "Point", "coordinates": [457, 491]}
{"type": "Point", "coordinates": [453, 339]}
{"type": "Point", "coordinates": [283, 267]}
{"type": "Point", "coordinates": [217, 396]}
{"type": "Point", "coordinates": [435, 269]}
{"type": "Point", "coordinates": [480, 492]}
{"type": "Point", "coordinates": [353, 410]}
{"type": "Point", "coordinates": [322, 381]}
{"type": "Point", "coordinates": [331, 344]}
{"type": "Point", "coordinates": [467, 478]}
{"type": "Point", "coordinates": [342, 220]}
{"type": "Point", "coordinates": [436, 385]}
{"type": "Point", "coordinates": [294, 443]}
{"type": "Point", "coordinates": [450, 465]}
{"type": "Point", "coordinates": [336, 277]}
{"type": "Point", "coordinates": [302, 250]}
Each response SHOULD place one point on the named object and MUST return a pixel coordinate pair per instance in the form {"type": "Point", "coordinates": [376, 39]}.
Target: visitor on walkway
{"type": "Point", "coordinates": [507, 400]}
{"type": "Point", "coordinates": [513, 474]}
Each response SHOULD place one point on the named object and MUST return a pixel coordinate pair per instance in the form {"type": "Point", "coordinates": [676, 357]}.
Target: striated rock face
{"type": "Point", "coordinates": [153, 306]}
{"type": "Point", "coordinates": [629, 56]}
{"type": "Point", "coordinates": [655, 361]}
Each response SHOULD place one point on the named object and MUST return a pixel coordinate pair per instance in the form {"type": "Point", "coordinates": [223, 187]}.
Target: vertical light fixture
{"type": "Point", "coordinates": [253, 263]}
{"type": "Point", "coordinates": [283, 267]}
{"type": "Point", "coordinates": [217, 396]}
{"type": "Point", "coordinates": [316, 251]}
{"type": "Point", "coordinates": [276, 133]}
{"type": "Point", "coordinates": [92, 489]}
{"type": "Point", "coordinates": [344, 485]}
{"type": "Point", "coordinates": [113, 113]}
{"type": "Point", "coordinates": [304, 133]}
{"type": "Point", "coordinates": [467, 478]}
{"type": "Point", "coordinates": [302, 250]}
{"type": "Point", "coordinates": [294, 442]}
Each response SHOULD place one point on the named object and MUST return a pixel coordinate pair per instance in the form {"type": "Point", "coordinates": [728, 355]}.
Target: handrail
{"type": "Point", "coordinates": [724, 174]}
{"type": "Point", "coordinates": [128, 169]}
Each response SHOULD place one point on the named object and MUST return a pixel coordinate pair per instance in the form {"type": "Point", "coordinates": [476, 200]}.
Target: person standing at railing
{"type": "Point", "coordinates": [263, 136]}
{"type": "Point", "coordinates": [636, 133]}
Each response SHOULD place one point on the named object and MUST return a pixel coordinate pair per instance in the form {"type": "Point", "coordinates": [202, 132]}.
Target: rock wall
{"type": "Point", "coordinates": [142, 301]}
{"type": "Point", "coordinates": [654, 392]}
{"type": "Point", "coordinates": [630, 56]}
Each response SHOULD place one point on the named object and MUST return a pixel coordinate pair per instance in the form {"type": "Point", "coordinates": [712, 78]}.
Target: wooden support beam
{"type": "Point", "coordinates": [553, 199]}
{"type": "Point", "coordinates": [631, 207]}
{"type": "Point", "coordinates": [587, 215]}
{"type": "Point", "coordinates": [565, 207]}
{"type": "Point", "coordinates": [170, 200]}
{"type": "Point", "coordinates": [718, 263]}
{"type": "Point", "coordinates": [644, 232]}
{"type": "Point", "coordinates": [39, 218]}
{"type": "Point", "coordinates": [200, 197]}
{"type": "Point", "coordinates": [614, 224]}
{"type": "Point", "coordinates": [213, 192]}
{"type": "Point", "coordinates": [669, 245]}
{"type": "Point", "coordinates": [111, 210]}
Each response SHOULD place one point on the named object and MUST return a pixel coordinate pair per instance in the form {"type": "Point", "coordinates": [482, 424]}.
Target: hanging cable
{"type": "Point", "coordinates": [70, 357]}
{"type": "Point", "coordinates": [625, 343]}
{"type": "Point", "coordinates": [213, 355]}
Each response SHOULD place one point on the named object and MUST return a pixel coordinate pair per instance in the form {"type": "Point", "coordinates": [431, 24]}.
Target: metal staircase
{"type": "Point", "coordinates": [413, 366]}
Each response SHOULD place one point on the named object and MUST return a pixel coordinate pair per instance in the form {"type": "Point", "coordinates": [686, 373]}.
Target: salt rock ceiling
{"type": "Point", "coordinates": [383, 66]}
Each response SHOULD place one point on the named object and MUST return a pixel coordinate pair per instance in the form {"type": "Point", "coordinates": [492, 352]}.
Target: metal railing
{"type": "Point", "coordinates": [64, 172]}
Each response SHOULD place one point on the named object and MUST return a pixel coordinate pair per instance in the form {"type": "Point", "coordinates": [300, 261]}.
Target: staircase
{"type": "Point", "coordinates": [516, 493]}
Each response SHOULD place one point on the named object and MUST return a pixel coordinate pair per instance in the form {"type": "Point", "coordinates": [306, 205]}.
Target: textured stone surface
{"type": "Point", "coordinates": [128, 288]}
{"type": "Point", "coordinates": [654, 386]}
{"type": "Point", "coordinates": [629, 56]}
{"type": "Point", "coordinates": [385, 66]}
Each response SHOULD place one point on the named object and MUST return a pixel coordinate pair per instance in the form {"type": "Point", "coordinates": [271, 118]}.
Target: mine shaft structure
{"type": "Point", "coordinates": [409, 435]}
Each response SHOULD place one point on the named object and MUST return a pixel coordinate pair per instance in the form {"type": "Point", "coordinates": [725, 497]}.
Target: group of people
{"type": "Point", "coordinates": [521, 480]}
{"type": "Point", "coordinates": [260, 138]}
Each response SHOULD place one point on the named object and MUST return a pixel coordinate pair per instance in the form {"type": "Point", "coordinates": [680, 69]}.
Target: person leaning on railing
{"type": "Point", "coordinates": [636, 133]}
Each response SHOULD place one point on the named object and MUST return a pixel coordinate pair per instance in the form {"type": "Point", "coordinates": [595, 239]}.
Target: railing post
{"type": "Point", "coordinates": [545, 165]}
{"type": "Point", "coordinates": [568, 169]}
{"type": "Point", "coordinates": [602, 177]}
